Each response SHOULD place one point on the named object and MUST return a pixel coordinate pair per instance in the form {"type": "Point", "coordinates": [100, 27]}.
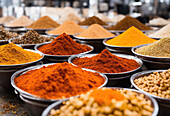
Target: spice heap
{"type": "Point", "coordinates": [58, 81]}
{"type": "Point", "coordinates": [106, 62]}
{"type": "Point", "coordinates": [131, 37]}
{"type": "Point", "coordinates": [44, 22]}
{"type": "Point", "coordinates": [106, 102]}
{"type": "Point", "coordinates": [6, 19]}
{"type": "Point", "coordinates": [160, 48]}
{"type": "Point", "coordinates": [22, 21]}
{"type": "Point", "coordinates": [128, 22]}
{"type": "Point", "coordinates": [163, 32]}
{"type": "Point", "coordinates": [92, 20]}
{"type": "Point", "coordinates": [68, 27]}
{"type": "Point", "coordinates": [31, 37]}
{"type": "Point", "coordinates": [13, 54]}
{"type": "Point", "coordinates": [104, 18]}
{"type": "Point", "coordinates": [63, 45]}
{"type": "Point", "coordinates": [159, 21]}
{"type": "Point", "coordinates": [95, 31]}
{"type": "Point", "coordinates": [156, 83]}
{"type": "Point", "coordinates": [70, 17]}
{"type": "Point", "coordinates": [6, 35]}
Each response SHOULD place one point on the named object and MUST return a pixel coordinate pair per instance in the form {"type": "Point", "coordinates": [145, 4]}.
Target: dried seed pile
{"type": "Point", "coordinates": [6, 35]}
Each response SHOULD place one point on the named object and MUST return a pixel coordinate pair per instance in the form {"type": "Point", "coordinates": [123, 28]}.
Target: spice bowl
{"type": "Point", "coordinates": [164, 103]}
{"type": "Point", "coordinates": [58, 104]}
{"type": "Point", "coordinates": [115, 79]}
{"type": "Point", "coordinates": [2, 42]}
{"type": "Point", "coordinates": [40, 31]}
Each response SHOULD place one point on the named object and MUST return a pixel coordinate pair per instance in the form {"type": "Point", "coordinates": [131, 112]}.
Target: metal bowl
{"type": "Point", "coordinates": [115, 79]}
{"type": "Point", "coordinates": [58, 104]}
{"type": "Point", "coordinates": [119, 51]}
{"type": "Point", "coordinates": [2, 42]}
{"type": "Point", "coordinates": [19, 66]}
{"type": "Point", "coordinates": [150, 58]}
{"type": "Point", "coordinates": [33, 97]}
{"type": "Point", "coordinates": [41, 31]}
{"type": "Point", "coordinates": [46, 32]}
{"type": "Point", "coordinates": [59, 58]}
{"type": "Point", "coordinates": [12, 27]}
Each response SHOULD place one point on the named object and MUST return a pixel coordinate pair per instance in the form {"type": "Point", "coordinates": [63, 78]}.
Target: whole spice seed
{"type": "Point", "coordinates": [32, 37]}
{"type": "Point", "coordinates": [58, 81]}
{"type": "Point", "coordinates": [127, 22]}
{"type": "Point", "coordinates": [106, 62]}
{"type": "Point", "coordinates": [92, 20]}
{"type": "Point", "coordinates": [63, 45]}
{"type": "Point", "coordinates": [6, 35]}
{"type": "Point", "coordinates": [161, 48]}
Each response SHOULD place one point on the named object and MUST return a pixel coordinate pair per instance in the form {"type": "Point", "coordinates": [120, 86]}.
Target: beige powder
{"type": "Point", "coordinates": [6, 19]}
{"type": "Point", "coordinates": [70, 17]}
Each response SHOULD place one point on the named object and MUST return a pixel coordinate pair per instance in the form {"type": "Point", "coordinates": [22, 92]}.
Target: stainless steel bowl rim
{"type": "Point", "coordinates": [39, 29]}
{"type": "Point", "coordinates": [56, 34]}
{"type": "Point", "coordinates": [94, 39]}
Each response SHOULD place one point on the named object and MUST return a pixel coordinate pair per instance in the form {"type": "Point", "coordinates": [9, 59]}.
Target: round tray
{"type": "Point", "coordinates": [58, 104]}
{"type": "Point", "coordinates": [150, 58]}
{"type": "Point", "coordinates": [33, 97]}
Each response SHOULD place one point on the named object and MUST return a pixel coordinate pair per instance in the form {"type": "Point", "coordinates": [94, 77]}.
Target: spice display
{"type": "Point", "coordinates": [106, 102]}
{"type": "Point", "coordinates": [58, 81]}
{"type": "Point", "coordinates": [92, 20]}
{"type": "Point", "coordinates": [68, 27]}
{"type": "Point", "coordinates": [131, 37]}
{"type": "Point", "coordinates": [63, 45]}
{"type": "Point", "coordinates": [104, 18]}
{"type": "Point", "coordinates": [156, 83]}
{"type": "Point", "coordinates": [160, 48]}
{"type": "Point", "coordinates": [6, 19]}
{"type": "Point", "coordinates": [70, 17]}
{"type": "Point", "coordinates": [22, 21]}
{"type": "Point", "coordinates": [44, 22]}
{"type": "Point", "coordinates": [32, 37]}
{"type": "Point", "coordinates": [106, 62]}
{"type": "Point", "coordinates": [159, 21]}
{"type": "Point", "coordinates": [128, 22]}
{"type": "Point", "coordinates": [163, 32]}
{"type": "Point", "coordinates": [13, 54]}
{"type": "Point", "coordinates": [6, 35]}
{"type": "Point", "coordinates": [95, 31]}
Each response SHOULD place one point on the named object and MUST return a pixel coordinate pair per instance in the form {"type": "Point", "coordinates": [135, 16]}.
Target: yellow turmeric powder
{"type": "Point", "coordinates": [13, 54]}
{"type": "Point", "coordinates": [130, 38]}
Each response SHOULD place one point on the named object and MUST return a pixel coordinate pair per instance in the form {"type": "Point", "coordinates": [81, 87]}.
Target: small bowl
{"type": "Point", "coordinates": [33, 97]}
{"type": "Point", "coordinates": [119, 51]}
{"type": "Point", "coordinates": [58, 104]}
{"type": "Point", "coordinates": [17, 30]}
{"type": "Point", "coordinates": [59, 58]}
{"type": "Point", "coordinates": [46, 32]}
{"type": "Point", "coordinates": [150, 58]}
{"type": "Point", "coordinates": [12, 27]}
{"type": "Point", "coordinates": [115, 79]}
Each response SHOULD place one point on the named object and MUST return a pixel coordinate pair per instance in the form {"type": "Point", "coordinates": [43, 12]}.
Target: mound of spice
{"type": "Point", "coordinates": [106, 102]}
{"type": "Point", "coordinates": [6, 19]}
{"type": "Point", "coordinates": [63, 45]}
{"type": "Point", "coordinates": [22, 21]}
{"type": "Point", "coordinates": [106, 62]}
{"type": "Point", "coordinates": [70, 17]}
{"type": "Point", "coordinates": [58, 81]}
{"type": "Point", "coordinates": [161, 48]}
{"type": "Point", "coordinates": [6, 35]}
{"type": "Point", "coordinates": [104, 17]}
{"type": "Point", "coordinates": [92, 20]}
{"type": "Point", "coordinates": [32, 37]}
{"type": "Point", "coordinates": [159, 21]}
{"type": "Point", "coordinates": [131, 37]}
{"type": "Point", "coordinates": [95, 31]}
{"type": "Point", "coordinates": [163, 32]}
{"type": "Point", "coordinates": [44, 22]}
{"type": "Point", "coordinates": [68, 27]}
{"type": "Point", "coordinates": [13, 54]}
{"type": "Point", "coordinates": [156, 83]}
{"type": "Point", "coordinates": [127, 22]}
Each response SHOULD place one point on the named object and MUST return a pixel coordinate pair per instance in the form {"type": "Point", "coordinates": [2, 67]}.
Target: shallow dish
{"type": "Point", "coordinates": [46, 32]}
{"type": "Point", "coordinates": [58, 104]}
{"type": "Point", "coordinates": [119, 51]}
{"type": "Point", "coordinates": [33, 97]}
{"type": "Point", "coordinates": [12, 27]}
{"type": "Point", "coordinates": [41, 31]}
{"type": "Point", "coordinates": [150, 58]}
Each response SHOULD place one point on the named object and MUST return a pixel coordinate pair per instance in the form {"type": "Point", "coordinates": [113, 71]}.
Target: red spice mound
{"type": "Point", "coordinates": [63, 45]}
{"type": "Point", "coordinates": [58, 81]}
{"type": "Point", "coordinates": [106, 62]}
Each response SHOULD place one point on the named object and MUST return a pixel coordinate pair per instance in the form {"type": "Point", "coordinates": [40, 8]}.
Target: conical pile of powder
{"type": "Point", "coordinates": [6, 19]}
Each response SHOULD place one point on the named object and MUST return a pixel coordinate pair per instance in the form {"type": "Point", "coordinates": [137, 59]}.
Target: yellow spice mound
{"type": "Point", "coordinates": [130, 38]}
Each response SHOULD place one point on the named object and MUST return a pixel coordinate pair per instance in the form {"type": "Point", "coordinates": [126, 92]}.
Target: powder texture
{"type": "Point", "coordinates": [70, 17]}
{"type": "Point", "coordinates": [163, 32]}
{"type": "Point", "coordinates": [58, 81]}
{"type": "Point", "coordinates": [127, 22]}
{"type": "Point", "coordinates": [104, 18]}
{"type": "Point", "coordinates": [159, 21]}
{"type": "Point", "coordinates": [131, 37]}
{"type": "Point", "coordinates": [22, 21]}
{"type": "Point", "coordinates": [96, 31]}
{"type": "Point", "coordinates": [106, 62]}
{"type": "Point", "coordinates": [63, 45]}
{"type": "Point", "coordinates": [68, 27]}
{"type": "Point", "coordinates": [92, 20]}
{"type": "Point", "coordinates": [6, 19]}
{"type": "Point", "coordinates": [44, 22]}
{"type": "Point", "coordinates": [160, 48]}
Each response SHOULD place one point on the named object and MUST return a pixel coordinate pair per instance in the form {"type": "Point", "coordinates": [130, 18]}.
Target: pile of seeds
{"type": "Point", "coordinates": [32, 37]}
{"type": "Point", "coordinates": [6, 35]}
